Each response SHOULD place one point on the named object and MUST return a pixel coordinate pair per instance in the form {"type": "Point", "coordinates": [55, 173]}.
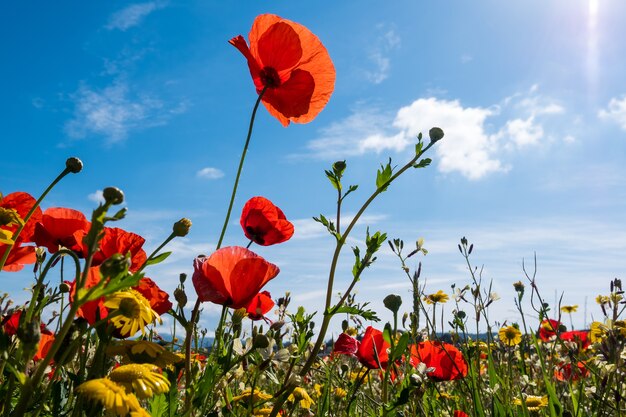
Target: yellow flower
{"type": "Point", "coordinates": [569, 309]}
{"type": "Point", "coordinates": [616, 298]}
{"type": "Point", "coordinates": [301, 395]}
{"type": "Point", "coordinates": [438, 297]}
{"type": "Point", "coordinates": [143, 379]}
{"type": "Point", "coordinates": [247, 395]}
{"type": "Point", "coordinates": [602, 299]}
{"type": "Point", "coordinates": [142, 351]}
{"type": "Point", "coordinates": [262, 412]}
{"type": "Point", "coordinates": [340, 392]}
{"type": "Point", "coordinates": [131, 311]}
{"type": "Point", "coordinates": [510, 335]}
{"type": "Point", "coordinates": [533, 402]}
{"type": "Point", "coordinates": [8, 217]}
{"type": "Point", "coordinates": [111, 396]}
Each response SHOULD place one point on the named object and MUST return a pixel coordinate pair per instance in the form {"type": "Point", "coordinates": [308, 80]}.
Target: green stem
{"type": "Point", "coordinates": [157, 250]}
{"type": "Point", "coordinates": [243, 157]}
{"type": "Point", "coordinates": [29, 215]}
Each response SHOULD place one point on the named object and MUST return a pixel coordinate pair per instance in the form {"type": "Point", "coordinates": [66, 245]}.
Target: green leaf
{"type": "Point", "coordinates": [423, 163]}
{"type": "Point", "coordinates": [383, 175]}
{"type": "Point", "coordinates": [334, 180]}
{"type": "Point", "coordinates": [418, 148]}
{"type": "Point", "coordinates": [158, 405]}
{"type": "Point", "coordinates": [400, 346]}
{"type": "Point", "coordinates": [356, 311]}
{"type": "Point", "coordinates": [158, 259]}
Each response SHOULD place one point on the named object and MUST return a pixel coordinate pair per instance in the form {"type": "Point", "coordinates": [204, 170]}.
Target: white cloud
{"type": "Point", "coordinates": [114, 112]}
{"type": "Point", "coordinates": [523, 132]}
{"type": "Point", "coordinates": [132, 15]}
{"type": "Point", "coordinates": [210, 173]}
{"type": "Point", "coordinates": [615, 112]}
{"type": "Point", "coordinates": [378, 54]}
{"type": "Point", "coordinates": [96, 197]}
{"type": "Point", "coordinates": [472, 146]}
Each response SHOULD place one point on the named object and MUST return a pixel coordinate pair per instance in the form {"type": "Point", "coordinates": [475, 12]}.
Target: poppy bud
{"type": "Point", "coordinates": [260, 341]}
{"type": "Point", "coordinates": [435, 134]}
{"type": "Point", "coordinates": [115, 265]}
{"type": "Point", "coordinates": [180, 297]}
{"type": "Point", "coordinates": [64, 287]}
{"type": "Point", "coordinates": [181, 227]}
{"type": "Point", "coordinates": [277, 325]}
{"type": "Point", "coordinates": [182, 278]}
{"type": "Point", "coordinates": [393, 302]}
{"type": "Point", "coordinates": [239, 314]}
{"type": "Point", "coordinates": [113, 195]}
{"type": "Point", "coordinates": [74, 165]}
{"type": "Point", "coordinates": [29, 334]}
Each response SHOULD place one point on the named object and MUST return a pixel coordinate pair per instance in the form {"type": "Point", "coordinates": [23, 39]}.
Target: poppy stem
{"type": "Point", "coordinates": [243, 157]}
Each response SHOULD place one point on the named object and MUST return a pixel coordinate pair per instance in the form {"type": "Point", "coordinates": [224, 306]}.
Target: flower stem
{"type": "Point", "coordinates": [196, 308]}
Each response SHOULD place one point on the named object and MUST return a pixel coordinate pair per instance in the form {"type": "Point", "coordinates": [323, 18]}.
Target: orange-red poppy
{"type": "Point", "coordinates": [345, 345]}
{"type": "Point", "coordinates": [264, 223]}
{"type": "Point", "coordinates": [291, 64]}
{"type": "Point", "coordinates": [10, 325]}
{"type": "Point", "coordinates": [548, 329]}
{"type": "Point", "coordinates": [373, 349]}
{"type": "Point", "coordinates": [231, 276]}
{"type": "Point", "coordinates": [61, 227]}
{"type": "Point", "coordinates": [459, 413]}
{"type": "Point", "coordinates": [260, 305]}
{"type": "Point", "coordinates": [22, 203]}
{"type": "Point", "coordinates": [94, 310]}
{"type": "Point", "coordinates": [18, 257]}
{"type": "Point", "coordinates": [159, 299]}
{"type": "Point", "coordinates": [581, 337]}
{"type": "Point", "coordinates": [565, 372]}
{"type": "Point", "coordinates": [447, 360]}
{"type": "Point", "coordinates": [114, 241]}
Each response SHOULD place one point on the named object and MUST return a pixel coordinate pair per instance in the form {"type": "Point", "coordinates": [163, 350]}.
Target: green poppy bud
{"type": "Point", "coordinates": [181, 227]}
{"type": "Point", "coordinates": [113, 195]}
{"type": "Point", "coordinates": [393, 302]}
{"type": "Point", "coordinates": [435, 134]}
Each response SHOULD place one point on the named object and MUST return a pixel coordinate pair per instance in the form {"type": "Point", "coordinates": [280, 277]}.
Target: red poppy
{"type": "Point", "coordinates": [45, 343]}
{"type": "Point", "coordinates": [22, 203]}
{"type": "Point", "coordinates": [260, 305]}
{"type": "Point", "coordinates": [94, 310]}
{"type": "Point", "coordinates": [581, 337]}
{"type": "Point", "coordinates": [231, 276]}
{"type": "Point", "coordinates": [61, 227]}
{"type": "Point", "coordinates": [18, 257]}
{"type": "Point", "coordinates": [264, 223]}
{"type": "Point", "coordinates": [291, 63]}
{"type": "Point", "coordinates": [566, 372]}
{"type": "Point", "coordinates": [159, 299]}
{"type": "Point", "coordinates": [459, 413]}
{"type": "Point", "coordinates": [447, 360]}
{"type": "Point", "coordinates": [372, 351]}
{"type": "Point", "coordinates": [11, 323]}
{"type": "Point", "coordinates": [114, 241]}
{"type": "Point", "coordinates": [548, 329]}
{"type": "Point", "coordinates": [345, 345]}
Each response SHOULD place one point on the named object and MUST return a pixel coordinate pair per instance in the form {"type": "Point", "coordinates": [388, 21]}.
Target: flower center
{"type": "Point", "coordinates": [9, 217]}
{"type": "Point", "coordinates": [270, 77]}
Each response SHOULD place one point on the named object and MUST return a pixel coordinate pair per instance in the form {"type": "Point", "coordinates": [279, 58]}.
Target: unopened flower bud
{"type": "Point", "coordinates": [393, 302]}
{"type": "Point", "coordinates": [239, 315]}
{"type": "Point", "coordinates": [181, 227]}
{"type": "Point", "coordinates": [260, 341]}
{"type": "Point", "coordinates": [29, 334]}
{"type": "Point", "coordinates": [74, 165]}
{"type": "Point", "coordinates": [180, 297]}
{"type": "Point", "coordinates": [435, 134]}
{"type": "Point", "coordinates": [277, 325]}
{"type": "Point", "coordinates": [115, 265]}
{"type": "Point", "coordinates": [113, 195]}
{"type": "Point", "coordinates": [182, 278]}
{"type": "Point", "coordinates": [519, 286]}
{"type": "Point", "coordinates": [64, 287]}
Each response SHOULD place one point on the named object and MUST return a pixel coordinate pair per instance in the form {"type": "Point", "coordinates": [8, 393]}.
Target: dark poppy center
{"type": "Point", "coordinates": [270, 77]}
{"type": "Point", "coordinates": [255, 236]}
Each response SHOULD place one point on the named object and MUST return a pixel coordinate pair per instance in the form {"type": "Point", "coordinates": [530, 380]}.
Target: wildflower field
{"type": "Point", "coordinates": [90, 341]}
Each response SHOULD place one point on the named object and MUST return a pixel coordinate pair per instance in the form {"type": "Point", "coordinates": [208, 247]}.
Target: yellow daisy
{"type": "Point", "coordinates": [131, 312]}
{"type": "Point", "coordinates": [438, 297]}
{"type": "Point", "coordinates": [602, 299]}
{"type": "Point", "coordinates": [111, 396]}
{"type": "Point", "coordinates": [262, 412]}
{"type": "Point", "coordinates": [569, 309]}
{"type": "Point", "coordinates": [8, 217]}
{"type": "Point", "coordinates": [533, 402]}
{"type": "Point", "coordinates": [301, 395]}
{"type": "Point", "coordinates": [143, 351]}
{"type": "Point", "coordinates": [510, 335]}
{"type": "Point", "coordinates": [247, 395]}
{"type": "Point", "coordinates": [144, 379]}
{"type": "Point", "coordinates": [340, 392]}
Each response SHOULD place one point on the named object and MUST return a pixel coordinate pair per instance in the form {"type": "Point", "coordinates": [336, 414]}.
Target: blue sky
{"type": "Point", "coordinates": [532, 97]}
